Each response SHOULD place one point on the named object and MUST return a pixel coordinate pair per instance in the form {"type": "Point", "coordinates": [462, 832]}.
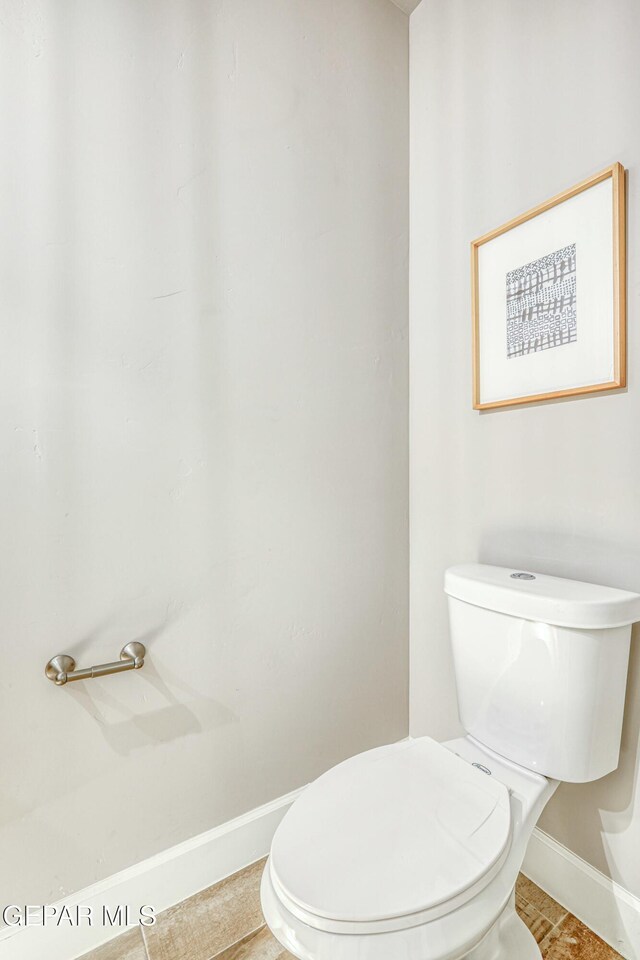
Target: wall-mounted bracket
{"type": "Point", "coordinates": [61, 669]}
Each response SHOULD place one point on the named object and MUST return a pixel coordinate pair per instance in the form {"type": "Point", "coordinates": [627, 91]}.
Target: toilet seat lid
{"type": "Point", "coordinates": [391, 832]}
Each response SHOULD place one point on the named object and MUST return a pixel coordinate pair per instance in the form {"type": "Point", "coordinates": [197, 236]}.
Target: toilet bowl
{"type": "Point", "coordinates": [346, 877]}
{"type": "Point", "coordinates": [411, 851]}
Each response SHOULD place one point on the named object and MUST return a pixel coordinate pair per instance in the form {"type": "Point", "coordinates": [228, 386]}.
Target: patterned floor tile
{"type": "Point", "coordinates": [257, 946]}
{"type": "Point", "coordinates": [539, 926]}
{"type": "Point", "coordinates": [571, 940]}
{"type": "Point", "coordinates": [206, 924]}
{"type": "Point", "coordinates": [128, 946]}
{"type": "Point", "coordinates": [543, 903]}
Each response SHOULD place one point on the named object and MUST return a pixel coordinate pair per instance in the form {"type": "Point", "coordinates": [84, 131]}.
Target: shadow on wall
{"type": "Point", "coordinates": [565, 555]}
{"type": "Point", "coordinates": [179, 718]}
{"type": "Point", "coordinates": [610, 799]}
{"type": "Point", "coordinates": [184, 714]}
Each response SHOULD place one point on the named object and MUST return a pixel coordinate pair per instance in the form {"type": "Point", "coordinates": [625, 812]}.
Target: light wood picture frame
{"type": "Point", "coordinates": [548, 298]}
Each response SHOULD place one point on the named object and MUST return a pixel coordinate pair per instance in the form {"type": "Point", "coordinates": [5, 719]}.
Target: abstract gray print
{"type": "Point", "coordinates": [541, 303]}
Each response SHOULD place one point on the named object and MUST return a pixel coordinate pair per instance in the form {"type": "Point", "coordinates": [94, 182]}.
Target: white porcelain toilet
{"type": "Point", "coordinates": [411, 851]}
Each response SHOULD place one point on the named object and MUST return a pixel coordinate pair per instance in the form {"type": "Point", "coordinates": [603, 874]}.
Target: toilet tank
{"type": "Point", "coordinates": [541, 667]}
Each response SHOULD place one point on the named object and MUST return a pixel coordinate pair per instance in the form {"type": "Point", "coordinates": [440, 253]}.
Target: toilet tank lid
{"type": "Point", "coordinates": [536, 596]}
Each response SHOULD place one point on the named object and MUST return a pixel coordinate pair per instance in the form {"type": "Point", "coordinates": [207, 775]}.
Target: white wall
{"type": "Point", "coordinates": [203, 430]}
{"type": "Point", "coordinates": [512, 101]}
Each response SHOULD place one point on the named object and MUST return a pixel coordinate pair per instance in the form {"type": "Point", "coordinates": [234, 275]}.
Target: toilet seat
{"type": "Point", "coordinates": [389, 839]}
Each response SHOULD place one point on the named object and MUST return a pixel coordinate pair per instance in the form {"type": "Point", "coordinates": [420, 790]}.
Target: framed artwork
{"type": "Point", "coordinates": [548, 292]}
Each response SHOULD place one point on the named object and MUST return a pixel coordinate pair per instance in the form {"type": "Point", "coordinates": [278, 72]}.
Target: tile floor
{"type": "Point", "coordinates": [224, 922]}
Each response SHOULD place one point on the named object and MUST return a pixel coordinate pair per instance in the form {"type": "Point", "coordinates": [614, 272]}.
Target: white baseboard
{"type": "Point", "coordinates": [603, 905]}
{"type": "Point", "coordinates": [160, 881]}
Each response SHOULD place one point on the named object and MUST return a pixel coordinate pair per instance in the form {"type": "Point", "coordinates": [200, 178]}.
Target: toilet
{"type": "Point", "coordinates": [411, 851]}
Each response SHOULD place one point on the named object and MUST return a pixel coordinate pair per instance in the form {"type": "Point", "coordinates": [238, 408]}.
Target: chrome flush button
{"type": "Point", "coordinates": [522, 576]}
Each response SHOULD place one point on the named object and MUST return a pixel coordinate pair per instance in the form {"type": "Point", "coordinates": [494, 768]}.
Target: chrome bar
{"type": "Point", "coordinates": [62, 668]}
